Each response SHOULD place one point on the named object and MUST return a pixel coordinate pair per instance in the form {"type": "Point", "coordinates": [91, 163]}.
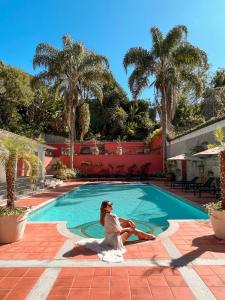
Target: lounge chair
{"type": "Point", "coordinates": [182, 181]}
{"type": "Point", "coordinates": [170, 177]}
{"type": "Point", "coordinates": [215, 188]}
{"type": "Point", "coordinates": [188, 184]}
{"type": "Point", "coordinates": [201, 186]}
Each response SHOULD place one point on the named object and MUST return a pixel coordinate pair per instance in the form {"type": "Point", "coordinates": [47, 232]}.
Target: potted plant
{"type": "Point", "coordinates": [217, 210]}
{"type": "Point", "coordinates": [13, 219]}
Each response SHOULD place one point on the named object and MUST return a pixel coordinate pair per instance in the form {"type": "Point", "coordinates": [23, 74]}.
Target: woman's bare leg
{"type": "Point", "coordinates": [140, 234]}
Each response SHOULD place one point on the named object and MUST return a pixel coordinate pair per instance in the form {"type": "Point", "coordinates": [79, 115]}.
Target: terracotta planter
{"type": "Point", "coordinates": [12, 227]}
{"type": "Point", "coordinates": [218, 223]}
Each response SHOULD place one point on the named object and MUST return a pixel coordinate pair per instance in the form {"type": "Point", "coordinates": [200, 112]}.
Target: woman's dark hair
{"type": "Point", "coordinates": [103, 211]}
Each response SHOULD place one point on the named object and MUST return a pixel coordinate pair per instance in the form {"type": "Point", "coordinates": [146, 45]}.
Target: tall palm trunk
{"type": "Point", "coordinates": [11, 179]}
{"type": "Point", "coordinates": [72, 135]}
{"type": "Point", "coordinates": [222, 177]}
{"type": "Point", "coordinates": [164, 128]}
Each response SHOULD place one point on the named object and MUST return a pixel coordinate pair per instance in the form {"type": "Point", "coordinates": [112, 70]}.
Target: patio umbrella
{"type": "Point", "coordinates": [184, 157]}
{"type": "Point", "coordinates": [212, 151]}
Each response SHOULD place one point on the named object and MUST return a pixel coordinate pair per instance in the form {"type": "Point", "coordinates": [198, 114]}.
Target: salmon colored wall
{"type": "Point", "coordinates": [133, 160]}
{"type": "Point", "coordinates": [117, 164]}
{"type": "Point", "coordinates": [47, 162]}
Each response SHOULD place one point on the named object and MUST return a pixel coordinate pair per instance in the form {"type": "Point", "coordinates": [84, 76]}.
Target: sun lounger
{"type": "Point", "coordinates": [201, 186]}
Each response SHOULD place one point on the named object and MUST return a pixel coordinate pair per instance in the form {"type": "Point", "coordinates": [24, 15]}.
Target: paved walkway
{"type": "Point", "coordinates": [185, 262]}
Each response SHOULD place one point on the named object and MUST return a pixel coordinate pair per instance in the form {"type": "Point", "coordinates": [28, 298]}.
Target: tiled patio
{"type": "Point", "coordinates": [188, 263]}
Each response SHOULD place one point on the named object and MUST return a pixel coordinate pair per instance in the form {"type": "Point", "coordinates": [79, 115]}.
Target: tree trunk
{"type": "Point", "coordinates": [164, 129]}
{"type": "Point", "coordinates": [10, 170]}
{"type": "Point", "coordinates": [72, 135]}
{"type": "Point", "coordinates": [222, 177]}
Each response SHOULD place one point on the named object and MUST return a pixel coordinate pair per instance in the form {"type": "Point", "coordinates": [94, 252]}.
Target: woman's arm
{"type": "Point", "coordinates": [126, 229]}
{"type": "Point", "coordinates": [130, 222]}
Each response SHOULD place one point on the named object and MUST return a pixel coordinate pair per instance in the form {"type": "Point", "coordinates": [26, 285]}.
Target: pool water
{"type": "Point", "coordinates": [149, 206]}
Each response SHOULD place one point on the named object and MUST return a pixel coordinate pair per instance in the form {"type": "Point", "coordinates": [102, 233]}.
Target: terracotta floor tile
{"type": "Point", "coordinates": [141, 292]}
{"type": "Point", "coordinates": [182, 293]}
{"type": "Point", "coordinates": [119, 281]}
{"type": "Point", "coordinates": [157, 280]}
{"type": "Point", "coordinates": [79, 294]}
{"type": "Point", "coordinates": [219, 292]}
{"type": "Point", "coordinates": [102, 271]}
{"type": "Point", "coordinates": [119, 271]}
{"type": "Point", "coordinates": [4, 271]}
{"type": "Point", "coordinates": [162, 293]}
{"type": "Point", "coordinates": [136, 281]}
{"type": "Point", "coordinates": [68, 272]}
{"type": "Point", "coordinates": [203, 270]}
{"type": "Point", "coordinates": [212, 280]}
{"type": "Point", "coordinates": [9, 282]}
{"type": "Point", "coordinates": [4, 292]}
{"type": "Point", "coordinates": [82, 281]}
{"type": "Point", "coordinates": [220, 270]}
{"type": "Point", "coordinates": [100, 281]}
{"type": "Point", "coordinates": [175, 280]}
{"type": "Point", "coordinates": [59, 291]}
{"type": "Point", "coordinates": [57, 297]}
{"type": "Point", "coordinates": [86, 271]}
{"type": "Point", "coordinates": [17, 272]}
{"type": "Point", "coordinates": [34, 272]}
{"type": "Point", "coordinates": [64, 281]}
{"type": "Point", "coordinates": [122, 293]}
{"type": "Point", "coordinates": [137, 271]}
{"type": "Point", "coordinates": [25, 283]}
{"type": "Point", "coordinates": [170, 271]}
{"type": "Point", "coordinates": [222, 277]}
{"type": "Point", "coordinates": [99, 294]}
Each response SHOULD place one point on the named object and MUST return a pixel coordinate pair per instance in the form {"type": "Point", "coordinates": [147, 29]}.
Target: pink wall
{"type": "Point", "coordinates": [133, 160]}
{"type": "Point", "coordinates": [47, 162]}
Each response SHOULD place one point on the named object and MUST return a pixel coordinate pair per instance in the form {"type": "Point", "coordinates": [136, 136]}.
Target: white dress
{"type": "Point", "coordinates": [111, 248]}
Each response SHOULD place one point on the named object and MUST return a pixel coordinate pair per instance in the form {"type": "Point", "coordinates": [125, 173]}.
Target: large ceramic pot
{"type": "Point", "coordinates": [12, 227]}
{"type": "Point", "coordinates": [218, 223]}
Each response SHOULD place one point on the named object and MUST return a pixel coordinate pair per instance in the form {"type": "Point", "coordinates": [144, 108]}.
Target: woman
{"type": "Point", "coordinates": [118, 230]}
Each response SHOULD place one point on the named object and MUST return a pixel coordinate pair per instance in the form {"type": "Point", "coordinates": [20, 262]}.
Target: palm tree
{"type": "Point", "coordinates": [12, 149]}
{"type": "Point", "coordinates": [168, 66]}
{"type": "Point", "coordinates": [75, 71]}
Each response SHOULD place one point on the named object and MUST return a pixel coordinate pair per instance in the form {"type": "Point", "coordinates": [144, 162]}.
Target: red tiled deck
{"type": "Point", "coordinates": [40, 241]}
{"type": "Point", "coordinates": [214, 278]}
{"type": "Point", "coordinates": [120, 283]}
{"type": "Point", "coordinates": [15, 283]}
{"type": "Point", "coordinates": [197, 240]}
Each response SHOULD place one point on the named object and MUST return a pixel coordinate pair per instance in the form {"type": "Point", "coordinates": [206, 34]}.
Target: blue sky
{"type": "Point", "coordinates": [109, 27]}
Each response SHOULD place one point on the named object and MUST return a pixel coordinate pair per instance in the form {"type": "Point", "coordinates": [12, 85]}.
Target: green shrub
{"type": "Point", "coordinates": [65, 174]}
{"type": "Point", "coordinates": [58, 165]}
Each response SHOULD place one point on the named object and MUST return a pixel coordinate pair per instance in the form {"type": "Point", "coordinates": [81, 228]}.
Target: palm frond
{"type": "Point", "coordinates": [189, 55]}
{"type": "Point", "coordinates": [157, 41]}
{"type": "Point", "coordinates": [93, 59]}
{"type": "Point", "coordinates": [137, 82]}
{"type": "Point", "coordinates": [219, 135]}
{"type": "Point", "coordinates": [174, 38]}
{"type": "Point", "coordinates": [94, 89]}
{"type": "Point", "coordinates": [193, 81]}
{"type": "Point", "coordinates": [136, 56]}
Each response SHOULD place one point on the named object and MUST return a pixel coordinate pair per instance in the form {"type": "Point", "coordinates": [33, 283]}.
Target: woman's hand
{"type": "Point", "coordinates": [132, 224]}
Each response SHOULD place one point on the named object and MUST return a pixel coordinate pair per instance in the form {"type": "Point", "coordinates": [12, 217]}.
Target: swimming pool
{"type": "Point", "coordinates": [149, 206]}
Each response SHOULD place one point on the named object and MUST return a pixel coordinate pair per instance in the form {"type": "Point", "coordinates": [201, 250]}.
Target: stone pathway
{"type": "Point", "coordinates": [185, 262]}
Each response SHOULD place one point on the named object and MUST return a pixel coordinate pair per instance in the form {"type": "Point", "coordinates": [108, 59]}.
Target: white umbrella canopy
{"type": "Point", "coordinates": [211, 151]}
{"type": "Point", "coordinates": [184, 157]}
